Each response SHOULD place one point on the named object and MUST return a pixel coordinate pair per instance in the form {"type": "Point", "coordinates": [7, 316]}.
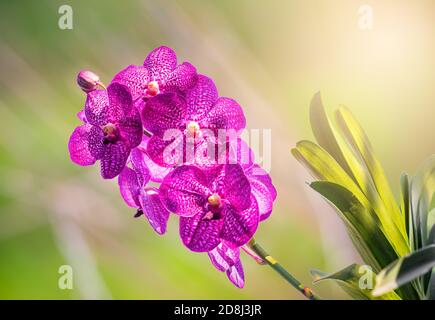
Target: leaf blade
{"type": "Point", "coordinates": [404, 270]}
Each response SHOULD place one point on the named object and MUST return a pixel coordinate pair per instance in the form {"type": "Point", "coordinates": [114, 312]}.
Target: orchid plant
{"type": "Point", "coordinates": [158, 129]}
{"type": "Point", "coordinates": [397, 241]}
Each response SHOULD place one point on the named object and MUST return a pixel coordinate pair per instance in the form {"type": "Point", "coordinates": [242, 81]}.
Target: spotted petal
{"type": "Point", "coordinates": [182, 78]}
{"type": "Point", "coordinates": [200, 234]}
{"type": "Point", "coordinates": [184, 191]}
{"type": "Point", "coordinates": [225, 114]}
{"type": "Point", "coordinates": [166, 153]}
{"type": "Point", "coordinates": [239, 227]}
{"type": "Point", "coordinates": [154, 209]}
{"type": "Point", "coordinates": [114, 159]}
{"type": "Point", "coordinates": [129, 187]}
{"type": "Point", "coordinates": [160, 62]}
{"type": "Point", "coordinates": [96, 107]}
{"type": "Point", "coordinates": [139, 166]}
{"type": "Point", "coordinates": [120, 102]}
{"type": "Point", "coordinates": [79, 148]}
{"type": "Point", "coordinates": [236, 188]}
{"type": "Point", "coordinates": [239, 152]}
{"type": "Point", "coordinates": [135, 78]}
{"type": "Point", "coordinates": [96, 146]}
{"type": "Point", "coordinates": [162, 112]}
{"type": "Point", "coordinates": [201, 98]}
{"type": "Point", "coordinates": [131, 128]}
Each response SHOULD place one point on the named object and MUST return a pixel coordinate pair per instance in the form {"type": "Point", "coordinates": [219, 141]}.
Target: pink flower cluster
{"type": "Point", "coordinates": [218, 192]}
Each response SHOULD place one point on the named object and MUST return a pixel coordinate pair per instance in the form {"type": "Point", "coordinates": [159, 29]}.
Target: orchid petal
{"type": "Point", "coordinates": [154, 209]}
{"type": "Point", "coordinates": [184, 191]}
{"type": "Point", "coordinates": [160, 62]}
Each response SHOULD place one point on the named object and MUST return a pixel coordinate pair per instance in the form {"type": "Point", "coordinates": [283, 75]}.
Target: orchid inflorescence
{"type": "Point", "coordinates": [158, 128]}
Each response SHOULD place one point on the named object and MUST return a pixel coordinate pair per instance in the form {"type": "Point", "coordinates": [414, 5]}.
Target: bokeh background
{"type": "Point", "coordinates": [271, 56]}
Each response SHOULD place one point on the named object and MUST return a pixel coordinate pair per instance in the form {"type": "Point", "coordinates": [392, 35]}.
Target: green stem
{"type": "Point", "coordinates": [275, 265]}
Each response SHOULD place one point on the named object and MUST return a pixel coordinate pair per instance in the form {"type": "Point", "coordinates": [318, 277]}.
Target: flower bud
{"type": "Point", "coordinates": [88, 81]}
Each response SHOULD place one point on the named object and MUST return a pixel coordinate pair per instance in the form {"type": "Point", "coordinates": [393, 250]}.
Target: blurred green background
{"type": "Point", "coordinates": [271, 56]}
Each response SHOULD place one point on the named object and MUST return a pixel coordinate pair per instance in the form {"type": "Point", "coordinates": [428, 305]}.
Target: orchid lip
{"type": "Point", "coordinates": [212, 215]}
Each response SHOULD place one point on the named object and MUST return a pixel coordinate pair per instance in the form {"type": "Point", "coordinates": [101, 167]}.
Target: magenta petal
{"type": "Point", "coordinates": [225, 114]}
{"type": "Point", "coordinates": [215, 178]}
{"type": "Point", "coordinates": [263, 190]}
{"type": "Point", "coordinates": [182, 78]}
{"type": "Point", "coordinates": [256, 172]}
{"type": "Point", "coordinates": [131, 128]}
{"type": "Point", "coordinates": [140, 154]}
{"type": "Point", "coordinates": [135, 78]}
{"type": "Point", "coordinates": [201, 98]}
{"type": "Point", "coordinates": [154, 210]}
{"type": "Point", "coordinates": [139, 165]}
{"type": "Point", "coordinates": [223, 256]}
{"type": "Point", "coordinates": [236, 275]}
{"type": "Point", "coordinates": [199, 234]}
{"type": "Point", "coordinates": [96, 106]}
{"type": "Point", "coordinates": [239, 227]}
{"type": "Point", "coordinates": [184, 191]}
{"type": "Point", "coordinates": [82, 116]}
{"type": "Point", "coordinates": [236, 187]}
{"type": "Point", "coordinates": [120, 102]}
{"type": "Point", "coordinates": [263, 197]}
{"type": "Point", "coordinates": [166, 153]}
{"type": "Point", "coordinates": [207, 154]}
{"type": "Point", "coordinates": [164, 111]}
{"type": "Point", "coordinates": [114, 159]}
{"type": "Point", "coordinates": [239, 152]}
{"type": "Point", "coordinates": [79, 148]}
{"type": "Point", "coordinates": [160, 62]}
{"type": "Point", "coordinates": [129, 187]}
{"type": "Point", "coordinates": [217, 260]}
{"type": "Point", "coordinates": [96, 146]}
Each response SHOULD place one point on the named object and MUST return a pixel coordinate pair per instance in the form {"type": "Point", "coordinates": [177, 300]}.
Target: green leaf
{"type": "Point", "coordinates": [430, 293]}
{"type": "Point", "coordinates": [324, 167]}
{"type": "Point", "coordinates": [380, 196]}
{"type": "Point", "coordinates": [422, 203]}
{"type": "Point", "coordinates": [362, 168]}
{"type": "Point", "coordinates": [361, 223]}
{"type": "Point", "coordinates": [405, 208]}
{"type": "Point", "coordinates": [431, 227]}
{"type": "Point", "coordinates": [422, 194]}
{"type": "Point", "coordinates": [324, 133]}
{"type": "Point", "coordinates": [404, 270]}
{"type": "Point", "coordinates": [357, 280]}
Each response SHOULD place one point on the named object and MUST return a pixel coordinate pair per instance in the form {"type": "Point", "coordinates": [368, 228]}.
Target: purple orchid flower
{"type": "Point", "coordinates": [159, 73]}
{"type": "Point", "coordinates": [135, 192]}
{"type": "Point", "coordinates": [227, 259]}
{"type": "Point", "coordinates": [219, 192]}
{"type": "Point", "coordinates": [112, 127]}
{"type": "Point", "coordinates": [201, 110]}
{"type": "Point", "coordinates": [262, 187]}
{"type": "Point", "coordinates": [214, 205]}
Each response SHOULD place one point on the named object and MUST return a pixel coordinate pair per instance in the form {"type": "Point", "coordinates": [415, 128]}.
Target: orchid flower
{"type": "Point", "coordinates": [219, 198]}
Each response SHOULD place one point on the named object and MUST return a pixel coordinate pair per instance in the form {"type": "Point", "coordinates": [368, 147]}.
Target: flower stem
{"type": "Point", "coordinates": [101, 85]}
{"type": "Point", "coordinates": [275, 265]}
